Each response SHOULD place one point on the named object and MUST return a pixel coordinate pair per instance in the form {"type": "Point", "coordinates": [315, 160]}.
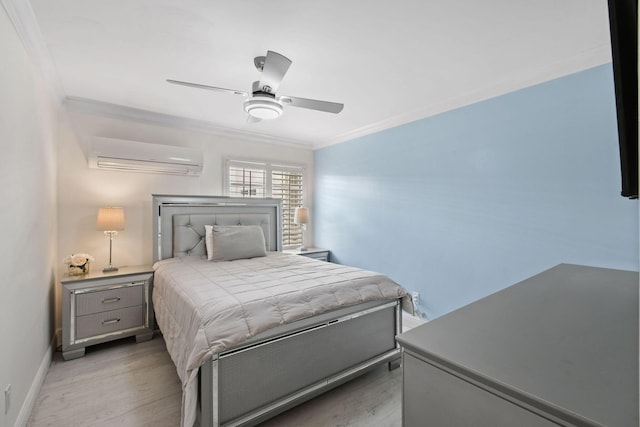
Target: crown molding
{"type": "Point", "coordinates": [24, 21]}
{"type": "Point", "coordinates": [595, 57]}
{"type": "Point", "coordinates": [94, 107]}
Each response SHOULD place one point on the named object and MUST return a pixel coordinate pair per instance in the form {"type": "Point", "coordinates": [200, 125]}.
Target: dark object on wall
{"type": "Point", "coordinates": [623, 23]}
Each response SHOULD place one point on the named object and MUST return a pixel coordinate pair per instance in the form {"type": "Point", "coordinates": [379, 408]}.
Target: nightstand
{"type": "Point", "coordinates": [316, 253]}
{"type": "Point", "coordinates": [100, 307]}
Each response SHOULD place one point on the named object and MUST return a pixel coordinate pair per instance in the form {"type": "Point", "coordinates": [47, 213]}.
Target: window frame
{"type": "Point", "coordinates": [230, 162]}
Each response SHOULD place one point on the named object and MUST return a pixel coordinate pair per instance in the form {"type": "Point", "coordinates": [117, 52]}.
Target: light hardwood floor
{"type": "Point", "coordinates": [127, 384]}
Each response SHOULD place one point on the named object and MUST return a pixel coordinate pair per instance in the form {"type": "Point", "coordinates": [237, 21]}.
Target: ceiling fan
{"type": "Point", "coordinates": [263, 102]}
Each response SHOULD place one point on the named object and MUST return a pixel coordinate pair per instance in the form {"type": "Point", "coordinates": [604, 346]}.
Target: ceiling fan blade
{"type": "Point", "coordinates": [199, 86]}
{"type": "Point", "coordinates": [312, 104]}
{"type": "Point", "coordinates": [275, 67]}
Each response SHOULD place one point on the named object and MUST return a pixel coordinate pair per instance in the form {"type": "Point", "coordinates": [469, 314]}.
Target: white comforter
{"type": "Point", "coordinates": [205, 307]}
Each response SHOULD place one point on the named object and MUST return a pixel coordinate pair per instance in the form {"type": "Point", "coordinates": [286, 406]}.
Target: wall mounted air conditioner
{"type": "Point", "coordinates": [119, 154]}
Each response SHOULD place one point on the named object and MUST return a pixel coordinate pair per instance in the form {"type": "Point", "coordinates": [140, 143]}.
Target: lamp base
{"type": "Point", "coordinates": [109, 269]}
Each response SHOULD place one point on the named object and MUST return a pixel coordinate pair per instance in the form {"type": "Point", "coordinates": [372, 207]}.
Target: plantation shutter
{"type": "Point", "coordinates": [286, 184]}
{"type": "Point", "coordinates": [247, 179]}
{"type": "Point", "coordinates": [257, 179]}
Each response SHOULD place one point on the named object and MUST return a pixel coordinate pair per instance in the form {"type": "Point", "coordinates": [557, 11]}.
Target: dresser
{"type": "Point", "coordinates": [100, 307]}
{"type": "Point", "coordinates": [560, 348]}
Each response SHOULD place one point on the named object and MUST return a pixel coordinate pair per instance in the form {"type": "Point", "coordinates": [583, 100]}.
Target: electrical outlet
{"type": "Point", "coordinates": [415, 297]}
{"type": "Point", "coordinates": [7, 399]}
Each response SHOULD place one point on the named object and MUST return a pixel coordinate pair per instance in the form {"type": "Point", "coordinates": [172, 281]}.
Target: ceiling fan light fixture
{"type": "Point", "coordinates": [264, 103]}
{"type": "Point", "coordinates": [263, 108]}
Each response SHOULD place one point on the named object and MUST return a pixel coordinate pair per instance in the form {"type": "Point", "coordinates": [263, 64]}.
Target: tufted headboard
{"type": "Point", "coordinates": [178, 221]}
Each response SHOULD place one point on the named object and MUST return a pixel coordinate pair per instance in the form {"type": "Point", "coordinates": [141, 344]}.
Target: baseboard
{"type": "Point", "coordinates": [32, 395]}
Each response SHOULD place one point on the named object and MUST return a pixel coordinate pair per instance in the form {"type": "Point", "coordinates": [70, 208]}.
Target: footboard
{"type": "Point", "coordinates": [251, 383]}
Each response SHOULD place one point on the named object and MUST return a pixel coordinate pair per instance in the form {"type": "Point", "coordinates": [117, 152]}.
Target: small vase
{"type": "Point", "coordinates": [79, 270]}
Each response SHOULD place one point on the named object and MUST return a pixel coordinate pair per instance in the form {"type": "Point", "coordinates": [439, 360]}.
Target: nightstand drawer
{"type": "Point", "coordinates": [322, 256]}
{"type": "Point", "coordinates": [315, 253]}
{"type": "Point", "coordinates": [110, 299]}
{"type": "Point", "coordinates": [109, 321]}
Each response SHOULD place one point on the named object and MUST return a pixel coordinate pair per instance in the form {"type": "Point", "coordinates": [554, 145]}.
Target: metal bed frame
{"type": "Point", "coordinates": [292, 363]}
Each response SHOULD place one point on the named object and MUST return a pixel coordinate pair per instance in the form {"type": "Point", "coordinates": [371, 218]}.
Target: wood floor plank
{"type": "Point", "coordinates": [124, 383]}
{"type": "Point", "coordinates": [120, 383]}
{"type": "Point", "coordinates": [373, 399]}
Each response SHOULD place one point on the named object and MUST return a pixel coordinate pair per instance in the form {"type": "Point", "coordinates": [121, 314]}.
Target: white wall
{"type": "Point", "coordinates": [28, 215]}
{"type": "Point", "coordinates": [81, 191]}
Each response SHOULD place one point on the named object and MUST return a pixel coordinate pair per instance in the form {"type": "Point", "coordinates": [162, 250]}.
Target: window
{"type": "Point", "coordinates": [247, 179]}
{"type": "Point", "coordinates": [261, 179]}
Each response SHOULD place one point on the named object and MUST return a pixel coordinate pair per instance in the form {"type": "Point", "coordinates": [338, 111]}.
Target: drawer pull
{"type": "Point", "coordinates": [110, 322]}
{"type": "Point", "coordinates": [108, 300]}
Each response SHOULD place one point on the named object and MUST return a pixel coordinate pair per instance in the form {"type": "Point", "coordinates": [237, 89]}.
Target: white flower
{"type": "Point", "coordinates": [78, 259]}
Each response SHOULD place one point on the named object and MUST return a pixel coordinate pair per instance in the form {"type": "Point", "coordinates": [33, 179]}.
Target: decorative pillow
{"type": "Point", "coordinates": [208, 241]}
{"type": "Point", "coordinates": [231, 242]}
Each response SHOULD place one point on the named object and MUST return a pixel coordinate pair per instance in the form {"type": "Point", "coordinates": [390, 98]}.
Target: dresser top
{"type": "Point", "coordinates": [565, 341]}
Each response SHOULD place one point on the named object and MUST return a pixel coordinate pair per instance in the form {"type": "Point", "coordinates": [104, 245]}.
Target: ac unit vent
{"type": "Point", "coordinates": [133, 156]}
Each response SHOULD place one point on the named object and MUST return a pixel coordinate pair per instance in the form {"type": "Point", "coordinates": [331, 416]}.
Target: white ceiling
{"type": "Point", "coordinates": [389, 62]}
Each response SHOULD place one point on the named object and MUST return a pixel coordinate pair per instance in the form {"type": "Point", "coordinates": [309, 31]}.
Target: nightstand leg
{"type": "Point", "coordinates": [395, 364]}
{"type": "Point", "coordinates": [144, 337]}
{"type": "Point", "coordinates": [73, 354]}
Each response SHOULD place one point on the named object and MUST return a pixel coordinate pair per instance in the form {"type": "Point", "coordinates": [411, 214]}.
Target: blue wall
{"type": "Point", "coordinates": [462, 204]}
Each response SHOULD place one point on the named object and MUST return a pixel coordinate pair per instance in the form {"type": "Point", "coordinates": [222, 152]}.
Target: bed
{"type": "Point", "coordinates": [252, 336]}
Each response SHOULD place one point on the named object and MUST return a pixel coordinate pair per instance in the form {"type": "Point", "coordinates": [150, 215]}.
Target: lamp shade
{"type": "Point", "coordinates": [301, 216]}
{"type": "Point", "coordinates": [110, 219]}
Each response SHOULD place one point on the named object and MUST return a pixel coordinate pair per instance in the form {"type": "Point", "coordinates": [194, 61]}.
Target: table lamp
{"type": "Point", "coordinates": [301, 217]}
{"type": "Point", "coordinates": [110, 220]}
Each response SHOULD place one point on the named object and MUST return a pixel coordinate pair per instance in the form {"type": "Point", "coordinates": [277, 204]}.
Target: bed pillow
{"type": "Point", "coordinates": [208, 241]}
{"type": "Point", "coordinates": [236, 242]}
